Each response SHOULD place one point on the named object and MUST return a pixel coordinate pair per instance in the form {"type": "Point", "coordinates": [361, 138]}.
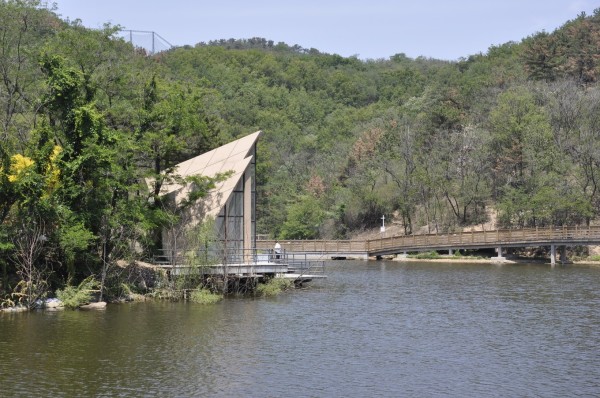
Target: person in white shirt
{"type": "Point", "coordinates": [277, 250]}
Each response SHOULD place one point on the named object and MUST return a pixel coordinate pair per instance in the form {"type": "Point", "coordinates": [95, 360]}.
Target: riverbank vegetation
{"type": "Point", "coordinates": [273, 287]}
{"type": "Point", "coordinates": [511, 136]}
{"type": "Point", "coordinates": [432, 255]}
{"type": "Point", "coordinates": [73, 297]}
{"type": "Point", "coordinates": [204, 296]}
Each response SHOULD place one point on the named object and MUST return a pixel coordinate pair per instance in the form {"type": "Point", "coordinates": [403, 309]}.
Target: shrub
{"type": "Point", "coordinates": [427, 255]}
{"type": "Point", "coordinates": [204, 296]}
{"type": "Point", "coordinates": [458, 254]}
{"type": "Point", "coordinates": [76, 296]}
{"type": "Point", "coordinates": [273, 287]}
{"type": "Point", "coordinates": [166, 293]}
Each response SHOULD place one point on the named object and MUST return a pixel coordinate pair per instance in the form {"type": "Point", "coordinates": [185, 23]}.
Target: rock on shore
{"type": "Point", "coordinates": [100, 305]}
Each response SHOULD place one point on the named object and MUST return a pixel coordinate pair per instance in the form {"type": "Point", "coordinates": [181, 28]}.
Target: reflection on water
{"type": "Point", "coordinates": [371, 329]}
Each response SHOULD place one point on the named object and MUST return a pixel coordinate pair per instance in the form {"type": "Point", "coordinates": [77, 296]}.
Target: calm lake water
{"type": "Point", "coordinates": [372, 329]}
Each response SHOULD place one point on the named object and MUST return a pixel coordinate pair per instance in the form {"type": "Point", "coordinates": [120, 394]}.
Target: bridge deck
{"type": "Point", "coordinates": [564, 236]}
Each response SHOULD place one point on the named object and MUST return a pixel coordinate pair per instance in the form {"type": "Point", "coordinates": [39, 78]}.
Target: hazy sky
{"type": "Point", "coordinates": [445, 29]}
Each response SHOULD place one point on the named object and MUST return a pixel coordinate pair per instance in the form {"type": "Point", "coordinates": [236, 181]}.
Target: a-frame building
{"type": "Point", "coordinates": [232, 203]}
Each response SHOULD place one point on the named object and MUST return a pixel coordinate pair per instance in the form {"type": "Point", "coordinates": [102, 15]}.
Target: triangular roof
{"type": "Point", "coordinates": [235, 157]}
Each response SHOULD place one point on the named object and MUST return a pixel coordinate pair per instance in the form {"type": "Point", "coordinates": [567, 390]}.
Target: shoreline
{"type": "Point", "coordinates": [490, 260]}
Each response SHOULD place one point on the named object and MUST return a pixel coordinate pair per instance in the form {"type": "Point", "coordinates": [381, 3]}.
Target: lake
{"type": "Point", "coordinates": [372, 329]}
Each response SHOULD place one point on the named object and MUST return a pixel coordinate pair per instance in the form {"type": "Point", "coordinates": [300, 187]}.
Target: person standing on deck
{"type": "Point", "coordinates": [277, 250]}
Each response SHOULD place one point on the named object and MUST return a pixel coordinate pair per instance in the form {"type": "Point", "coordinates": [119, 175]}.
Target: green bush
{"type": "Point", "coordinates": [273, 287]}
{"type": "Point", "coordinates": [427, 255]}
{"type": "Point", "coordinates": [458, 254]}
{"type": "Point", "coordinates": [166, 293]}
{"type": "Point", "coordinates": [76, 296]}
{"type": "Point", "coordinates": [204, 296]}
{"type": "Point", "coordinates": [595, 257]}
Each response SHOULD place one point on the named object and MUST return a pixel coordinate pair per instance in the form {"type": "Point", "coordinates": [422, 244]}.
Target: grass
{"type": "Point", "coordinates": [459, 255]}
{"type": "Point", "coordinates": [426, 256]}
{"type": "Point", "coordinates": [433, 255]}
{"type": "Point", "coordinates": [165, 293]}
{"type": "Point", "coordinates": [204, 296]}
{"type": "Point", "coordinates": [273, 287]}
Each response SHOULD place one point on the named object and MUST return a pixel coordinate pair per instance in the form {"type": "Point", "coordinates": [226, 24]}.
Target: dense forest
{"type": "Point", "coordinates": [511, 137]}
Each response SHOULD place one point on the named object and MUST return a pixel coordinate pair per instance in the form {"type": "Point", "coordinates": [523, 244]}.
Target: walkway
{"type": "Point", "coordinates": [497, 239]}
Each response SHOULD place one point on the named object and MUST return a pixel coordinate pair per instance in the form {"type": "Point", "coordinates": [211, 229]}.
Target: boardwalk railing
{"type": "Point", "coordinates": [302, 265]}
{"type": "Point", "coordinates": [242, 261]}
{"type": "Point", "coordinates": [316, 246]}
{"type": "Point", "coordinates": [571, 235]}
{"type": "Point", "coordinates": [164, 257]}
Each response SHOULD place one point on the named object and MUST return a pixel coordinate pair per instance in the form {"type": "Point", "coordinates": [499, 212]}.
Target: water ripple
{"type": "Point", "coordinates": [372, 329]}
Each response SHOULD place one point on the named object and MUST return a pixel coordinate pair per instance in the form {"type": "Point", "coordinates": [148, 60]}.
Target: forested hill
{"type": "Point", "coordinates": [436, 145]}
{"type": "Point", "coordinates": [433, 145]}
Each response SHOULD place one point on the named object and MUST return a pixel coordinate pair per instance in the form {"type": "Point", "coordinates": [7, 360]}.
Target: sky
{"type": "Point", "coordinates": [374, 29]}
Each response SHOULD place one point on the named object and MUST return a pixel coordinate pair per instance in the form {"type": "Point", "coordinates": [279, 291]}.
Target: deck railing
{"type": "Point", "coordinates": [211, 256]}
{"type": "Point", "coordinates": [293, 262]}
{"type": "Point", "coordinates": [568, 235]}
{"type": "Point", "coordinates": [301, 264]}
{"type": "Point", "coordinates": [472, 239]}
{"type": "Point", "coordinates": [317, 246]}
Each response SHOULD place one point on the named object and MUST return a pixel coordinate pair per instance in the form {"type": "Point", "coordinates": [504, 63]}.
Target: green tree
{"type": "Point", "coordinates": [304, 218]}
{"type": "Point", "coordinates": [465, 166]}
{"type": "Point", "coordinates": [23, 29]}
{"type": "Point", "coordinates": [526, 161]}
{"type": "Point", "coordinates": [542, 57]}
{"type": "Point", "coordinates": [172, 128]}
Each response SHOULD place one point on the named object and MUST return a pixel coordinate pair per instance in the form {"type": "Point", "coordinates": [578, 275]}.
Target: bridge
{"type": "Point", "coordinates": [554, 237]}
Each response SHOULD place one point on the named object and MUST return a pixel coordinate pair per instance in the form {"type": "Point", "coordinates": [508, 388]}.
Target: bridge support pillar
{"type": "Point", "coordinates": [450, 252]}
{"type": "Point", "coordinates": [500, 257]}
{"type": "Point", "coordinates": [563, 255]}
{"type": "Point", "coordinates": [552, 255]}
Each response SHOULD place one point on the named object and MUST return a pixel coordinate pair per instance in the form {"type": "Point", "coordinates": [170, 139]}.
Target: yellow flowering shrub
{"type": "Point", "coordinates": [52, 170]}
{"type": "Point", "coordinates": [19, 166]}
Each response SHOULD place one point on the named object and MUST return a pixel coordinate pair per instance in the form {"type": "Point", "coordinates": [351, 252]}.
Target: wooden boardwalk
{"type": "Point", "coordinates": [498, 239]}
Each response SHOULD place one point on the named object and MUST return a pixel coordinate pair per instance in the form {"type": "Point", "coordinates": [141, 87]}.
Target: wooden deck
{"type": "Point", "coordinates": [260, 264]}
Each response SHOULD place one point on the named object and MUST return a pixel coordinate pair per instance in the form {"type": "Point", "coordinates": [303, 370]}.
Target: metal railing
{"type": "Point", "coordinates": [295, 263]}
{"type": "Point", "coordinates": [211, 256]}
{"type": "Point", "coordinates": [302, 265]}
